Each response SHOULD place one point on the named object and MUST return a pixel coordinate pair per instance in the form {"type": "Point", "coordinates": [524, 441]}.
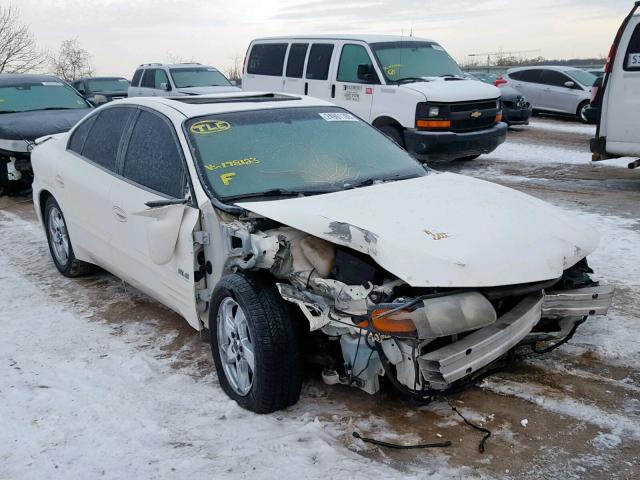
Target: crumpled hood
{"type": "Point", "coordinates": [205, 90]}
{"type": "Point", "coordinates": [443, 230]}
{"type": "Point", "coordinates": [447, 90]}
{"type": "Point", "coordinates": [31, 125]}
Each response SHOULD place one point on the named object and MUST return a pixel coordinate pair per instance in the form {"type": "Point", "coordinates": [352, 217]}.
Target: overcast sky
{"type": "Point", "coordinates": [121, 34]}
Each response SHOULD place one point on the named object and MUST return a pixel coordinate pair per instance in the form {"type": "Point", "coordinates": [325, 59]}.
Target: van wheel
{"type": "Point", "coordinates": [255, 346]}
{"type": "Point", "coordinates": [60, 243]}
{"type": "Point", "coordinates": [582, 111]}
{"type": "Point", "coordinates": [393, 133]}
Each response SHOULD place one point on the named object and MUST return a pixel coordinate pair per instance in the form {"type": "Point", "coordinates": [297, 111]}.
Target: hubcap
{"type": "Point", "coordinates": [58, 236]}
{"type": "Point", "coordinates": [583, 112]}
{"type": "Point", "coordinates": [235, 346]}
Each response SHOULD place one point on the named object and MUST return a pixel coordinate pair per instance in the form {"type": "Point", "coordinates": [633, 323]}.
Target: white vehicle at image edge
{"type": "Point", "coordinates": [618, 131]}
{"type": "Point", "coordinates": [293, 231]}
{"type": "Point", "coordinates": [408, 87]}
{"type": "Point", "coordinates": [177, 80]}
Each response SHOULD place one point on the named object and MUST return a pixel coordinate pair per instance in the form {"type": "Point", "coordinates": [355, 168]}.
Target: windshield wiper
{"type": "Point", "coordinates": [410, 80]}
{"type": "Point", "coordinates": [280, 192]}
{"type": "Point", "coordinates": [53, 108]}
{"type": "Point", "coordinates": [371, 181]}
{"type": "Point", "coordinates": [9, 111]}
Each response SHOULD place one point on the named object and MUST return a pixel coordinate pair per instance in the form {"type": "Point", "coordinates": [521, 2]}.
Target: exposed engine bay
{"type": "Point", "coordinates": [367, 323]}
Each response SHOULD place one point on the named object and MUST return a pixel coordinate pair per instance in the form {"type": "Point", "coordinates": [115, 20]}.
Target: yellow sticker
{"type": "Point", "coordinates": [391, 69]}
{"type": "Point", "coordinates": [232, 163]}
{"type": "Point", "coordinates": [210, 126]}
{"type": "Point", "coordinates": [226, 178]}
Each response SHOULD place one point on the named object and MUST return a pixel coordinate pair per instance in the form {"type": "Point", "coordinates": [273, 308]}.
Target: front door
{"type": "Point", "coordinates": [555, 96]}
{"type": "Point", "coordinates": [355, 81]}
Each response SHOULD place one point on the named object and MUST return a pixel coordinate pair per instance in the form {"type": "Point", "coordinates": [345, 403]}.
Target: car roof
{"type": "Point", "coordinates": [13, 78]}
{"type": "Point", "coordinates": [211, 104]}
{"type": "Point", "coordinates": [558, 68]}
{"type": "Point", "coordinates": [367, 38]}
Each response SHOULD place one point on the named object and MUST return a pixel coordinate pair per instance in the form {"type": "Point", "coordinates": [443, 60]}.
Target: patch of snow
{"type": "Point", "coordinates": [524, 422]}
{"type": "Point", "coordinates": [606, 440]}
{"type": "Point", "coordinates": [560, 126]}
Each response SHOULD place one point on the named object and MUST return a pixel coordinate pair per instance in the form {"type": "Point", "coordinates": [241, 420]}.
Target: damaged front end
{"type": "Point", "coordinates": [426, 341]}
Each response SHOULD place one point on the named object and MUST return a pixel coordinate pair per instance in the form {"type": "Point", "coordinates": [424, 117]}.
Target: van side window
{"type": "Point", "coordinates": [295, 63]}
{"type": "Point", "coordinates": [135, 81]}
{"type": "Point", "coordinates": [153, 159]}
{"type": "Point", "coordinates": [319, 61]}
{"type": "Point", "coordinates": [267, 59]}
{"type": "Point", "coordinates": [632, 58]}
{"type": "Point", "coordinates": [351, 58]}
{"type": "Point", "coordinates": [103, 141]}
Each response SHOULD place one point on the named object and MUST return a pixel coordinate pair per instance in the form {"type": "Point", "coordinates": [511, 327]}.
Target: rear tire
{"type": "Point", "coordinates": [582, 111]}
{"type": "Point", "coordinates": [393, 133]}
{"type": "Point", "coordinates": [255, 345]}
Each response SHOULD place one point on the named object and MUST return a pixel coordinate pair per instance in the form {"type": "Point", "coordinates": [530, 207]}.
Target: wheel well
{"type": "Point", "coordinates": [387, 122]}
{"type": "Point", "coordinates": [580, 105]}
{"type": "Point", "coordinates": [44, 196]}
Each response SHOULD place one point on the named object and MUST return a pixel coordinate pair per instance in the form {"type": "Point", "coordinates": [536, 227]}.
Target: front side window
{"type": "Point", "coordinates": [319, 61]}
{"type": "Point", "coordinates": [267, 59]}
{"type": "Point", "coordinates": [26, 96]}
{"type": "Point", "coordinates": [299, 149]}
{"type": "Point", "coordinates": [583, 78]}
{"type": "Point", "coordinates": [553, 78]}
{"type": "Point", "coordinates": [355, 63]}
{"type": "Point", "coordinates": [407, 60]}
{"type": "Point", "coordinates": [632, 58]}
{"type": "Point", "coordinates": [99, 85]}
{"type": "Point", "coordinates": [153, 158]}
{"type": "Point", "coordinates": [295, 63]}
{"type": "Point", "coordinates": [103, 140]}
{"type": "Point", "coordinates": [160, 78]}
{"type": "Point", "coordinates": [198, 77]}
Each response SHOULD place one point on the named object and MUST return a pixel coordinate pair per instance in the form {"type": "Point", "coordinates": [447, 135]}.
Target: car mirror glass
{"type": "Point", "coordinates": [165, 86]}
{"type": "Point", "coordinates": [569, 84]}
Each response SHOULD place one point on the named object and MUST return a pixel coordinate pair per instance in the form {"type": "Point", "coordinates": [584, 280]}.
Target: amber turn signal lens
{"type": "Point", "coordinates": [499, 117]}
{"type": "Point", "coordinates": [433, 123]}
{"type": "Point", "coordinates": [397, 322]}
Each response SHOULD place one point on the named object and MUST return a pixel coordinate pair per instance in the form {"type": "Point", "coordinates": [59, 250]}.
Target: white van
{"type": "Point", "coordinates": [408, 87]}
{"type": "Point", "coordinates": [618, 130]}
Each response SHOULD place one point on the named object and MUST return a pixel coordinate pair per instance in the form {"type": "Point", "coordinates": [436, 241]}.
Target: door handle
{"type": "Point", "coordinates": [59, 181]}
{"type": "Point", "coordinates": [120, 214]}
{"type": "Point", "coordinates": [306, 88]}
{"type": "Point", "coordinates": [333, 91]}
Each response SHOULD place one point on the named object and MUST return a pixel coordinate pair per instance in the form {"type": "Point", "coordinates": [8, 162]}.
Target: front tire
{"type": "Point", "coordinates": [60, 243]}
{"type": "Point", "coordinates": [255, 345]}
{"type": "Point", "coordinates": [582, 112]}
{"type": "Point", "coordinates": [393, 133]}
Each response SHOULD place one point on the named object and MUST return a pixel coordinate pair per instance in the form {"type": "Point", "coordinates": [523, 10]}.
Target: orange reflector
{"type": "Point", "coordinates": [398, 322]}
{"type": "Point", "coordinates": [499, 117]}
{"type": "Point", "coordinates": [433, 123]}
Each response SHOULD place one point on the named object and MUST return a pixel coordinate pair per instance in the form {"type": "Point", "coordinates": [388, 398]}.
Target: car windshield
{"type": "Point", "coordinates": [198, 77]}
{"type": "Point", "coordinates": [302, 150]}
{"type": "Point", "coordinates": [97, 85]}
{"type": "Point", "coordinates": [413, 60]}
{"type": "Point", "coordinates": [583, 78]}
{"type": "Point", "coordinates": [27, 96]}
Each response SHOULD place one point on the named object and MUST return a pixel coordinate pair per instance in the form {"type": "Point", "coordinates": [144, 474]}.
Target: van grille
{"type": "Point", "coordinates": [471, 124]}
{"type": "Point", "coordinates": [469, 107]}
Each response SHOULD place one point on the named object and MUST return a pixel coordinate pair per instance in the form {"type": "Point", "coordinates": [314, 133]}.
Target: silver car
{"type": "Point", "coordinates": [564, 90]}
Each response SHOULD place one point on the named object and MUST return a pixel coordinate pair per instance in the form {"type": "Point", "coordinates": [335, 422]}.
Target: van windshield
{"type": "Point", "coordinates": [413, 60]}
{"type": "Point", "coordinates": [292, 151]}
{"type": "Point", "coordinates": [198, 77]}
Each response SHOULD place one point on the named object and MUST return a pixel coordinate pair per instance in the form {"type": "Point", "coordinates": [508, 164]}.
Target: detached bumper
{"type": "Point", "coordinates": [516, 116]}
{"type": "Point", "coordinates": [448, 364]}
{"type": "Point", "coordinates": [432, 145]}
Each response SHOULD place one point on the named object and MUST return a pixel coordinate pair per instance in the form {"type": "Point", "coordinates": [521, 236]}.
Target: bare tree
{"type": "Point", "coordinates": [172, 58]}
{"type": "Point", "coordinates": [72, 61]}
{"type": "Point", "coordinates": [18, 50]}
{"type": "Point", "coordinates": [234, 71]}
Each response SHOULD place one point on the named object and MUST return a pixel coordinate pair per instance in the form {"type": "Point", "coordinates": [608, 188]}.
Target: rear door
{"type": "Point", "coordinates": [264, 69]}
{"type": "Point", "coordinates": [555, 96]}
{"type": "Point", "coordinates": [528, 83]}
{"type": "Point", "coordinates": [355, 89]}
{"type": "Point", "coordinates": [621, 107]}
{"type": "Point", "coordinates": [152, 248]}
{"type": "Point", "coordinates": [318, 71]}
{"type": "Point", "coordinates": [293, 81]}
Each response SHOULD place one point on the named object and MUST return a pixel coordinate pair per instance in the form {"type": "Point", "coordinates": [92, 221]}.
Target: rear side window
{"type": "Point", "coordinates": [632, 60]}
{"type": "Point", "coordinates": [553, 78]}
{"type": "Point", "coordinates": [295, 63]}
{"type": "Point", "coordinates": [532, 76]}
{"type": "Point", "coordinates": [319, 61]}
{"type": "Point", "coordinates": [149, 78]}
{"type": "Point", "coordinates": [516, 75]}
{"type": "Point", "coordinates": [101, 145]}
{"type": "Point", "coordinates": [136, 78]}
{"type": "Point", "coordinates": [79, 135]}
{"type": "Point", "coordinates": [153, 158]}
{"type": "Point", "coordinates": [267, 59]}
{"type": "Point", "coordinates": [351, 58]}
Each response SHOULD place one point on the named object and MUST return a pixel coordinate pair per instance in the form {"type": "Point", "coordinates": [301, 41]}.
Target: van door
{"type": "Point", "coordinates": [355, 80]}
{"type": "Point", "coordinates": [264, 69]}
{"type": "Point", "coordinates": [293, 82]}
{"type": "Point", "coordinates": [318, 72]}
{"type": "Point", "coordinates": [621, 108]}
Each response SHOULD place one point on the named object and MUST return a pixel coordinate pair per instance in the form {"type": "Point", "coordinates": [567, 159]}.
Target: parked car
{"type": "Point", "coordinates": [564, 90]}
{"type": "Point", "coordinates": [516, 110]}
{"type": "Point", "coordinates": [274, 220]}
{"type": "Point", "coordinates": [485, 77]}
{"type": "Point", "coordinates": [617, 132]}
{"type": "Point", "coordinates": [598, 72]}
{"type": "Point", "coordinates": [94, 88]}
{"type": "Point", "coordinates": [407, 87]}
{"type": "Point", "coordinates": [176, 80]}
{"type": "Point", "coordinates": [32, 106]}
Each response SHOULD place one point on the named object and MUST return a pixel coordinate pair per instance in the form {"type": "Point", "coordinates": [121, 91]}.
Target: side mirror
{"type": "Point", "coordinates": [165, 86]}
{"type": "Point", "coordinates": [570, 84]}
{"type": "Point", "coordinates": [98, 100]}
{"type": "Point", "coordinates": [233, 82]}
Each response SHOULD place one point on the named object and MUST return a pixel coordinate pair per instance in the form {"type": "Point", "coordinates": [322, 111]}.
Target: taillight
{"type": "Point", "coordinates": [500, 81]}
{"type": "Point", "coordinates": [612, 53]}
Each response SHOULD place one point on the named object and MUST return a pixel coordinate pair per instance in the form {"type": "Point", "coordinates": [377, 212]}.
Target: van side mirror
{"type": "Point", "coordinates": [366, 73]}
{"type": "Point", "coordinates": [165, 86]}
{"type": "Point", "coordinates": [98, 100]}
{"type": "Point", "coordinates": [570, 84]}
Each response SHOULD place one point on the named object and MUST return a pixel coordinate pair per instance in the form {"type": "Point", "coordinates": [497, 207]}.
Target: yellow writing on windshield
{"type": "Point", "coordinates": [226, 178]}
{"type": "Point", "coordinates": [232, 163]}
{"type": "Point", "coordinates": [392, 69]}
{"type": "Point", "coordinates": [210, 126]}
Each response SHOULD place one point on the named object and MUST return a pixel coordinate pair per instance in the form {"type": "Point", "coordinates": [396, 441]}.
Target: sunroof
{"type": "Point", "coordinates": [265, 97]}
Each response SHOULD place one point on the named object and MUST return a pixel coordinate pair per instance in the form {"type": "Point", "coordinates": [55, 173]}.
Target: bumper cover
{"type": "Point", "coordinates": [429, 145]}
{"type": "Point", "coordinates": [516, 116]}
{"type": "Point", "coordinates": [444, 366]}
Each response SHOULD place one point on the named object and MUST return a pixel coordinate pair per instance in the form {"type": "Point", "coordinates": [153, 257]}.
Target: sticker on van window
{"type": "Point", "coordinates": [210, 126]}
{"type": "Point", "coordinates": [634, 60]}
{"type": "Point", "coordinates": [232, 163]}
{"type": "Point", "coordinates": [338, 117]}
{"type": "Point", "coordinates": [392, 70]}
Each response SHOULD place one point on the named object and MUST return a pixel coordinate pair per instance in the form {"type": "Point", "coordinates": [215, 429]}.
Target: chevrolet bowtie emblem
{"type": "Point", "coordinates": [476, 114]}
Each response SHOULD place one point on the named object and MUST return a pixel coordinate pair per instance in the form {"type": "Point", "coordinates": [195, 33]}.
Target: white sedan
{"type": "Point", "coordinates": [293, 230]}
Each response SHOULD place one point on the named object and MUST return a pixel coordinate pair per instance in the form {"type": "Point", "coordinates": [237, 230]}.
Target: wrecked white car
{"type": "Point", "coordinates": [294, 231]}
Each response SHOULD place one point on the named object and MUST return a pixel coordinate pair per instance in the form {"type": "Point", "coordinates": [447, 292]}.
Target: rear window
{"type": "Point", "coordinates": [632, 60]}
{"type": "Point", "coordinates": [267, 59]}
{"type": "Point", "coordinates": [319, 61]}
